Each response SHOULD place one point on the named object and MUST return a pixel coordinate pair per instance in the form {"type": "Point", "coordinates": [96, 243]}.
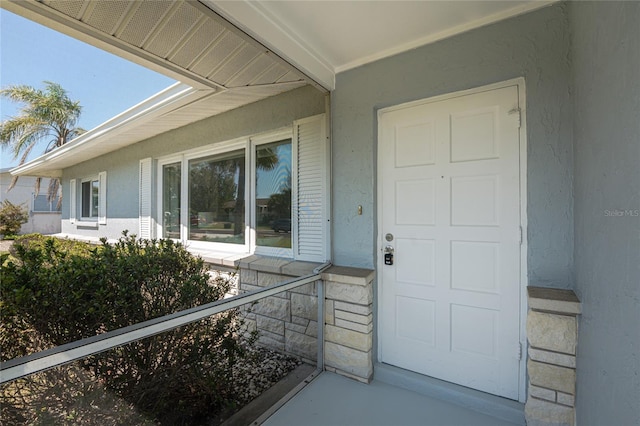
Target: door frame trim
{"type": "Point", "coordinates": [520, 84]}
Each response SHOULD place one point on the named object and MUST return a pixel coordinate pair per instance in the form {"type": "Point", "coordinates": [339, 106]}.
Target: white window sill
{"type": "Point", "coordinates": [254, 262]}
{"type": "Point", "coordinates": [87, 224]}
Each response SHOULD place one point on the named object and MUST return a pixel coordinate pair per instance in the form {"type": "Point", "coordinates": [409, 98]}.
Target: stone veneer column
{"type": "Point", "coordinates": [349, 322]}
{"type": "Point", "coordinates": [288, 321]}
{"type": "Point", "coordinates": [552, 332]}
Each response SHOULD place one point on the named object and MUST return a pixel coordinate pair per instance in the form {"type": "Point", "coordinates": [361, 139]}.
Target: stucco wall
{"type": "Point", "coordinates": [606, 56]}
{"type": "Point", "coordinates": [22, 193]}
{"type": "Point", "coordinates": [536, 46]}
{"type": "Point", "coordinates": [122, 166]}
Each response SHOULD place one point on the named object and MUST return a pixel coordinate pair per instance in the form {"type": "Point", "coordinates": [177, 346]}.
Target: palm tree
{"type": "Point", "coordinates": [46, 114]}
{"type": "Point", "coordinates": [267, 159]}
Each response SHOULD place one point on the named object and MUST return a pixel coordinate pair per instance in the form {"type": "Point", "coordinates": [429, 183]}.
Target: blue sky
{"type": "Point", "coordinates": [105, 84]}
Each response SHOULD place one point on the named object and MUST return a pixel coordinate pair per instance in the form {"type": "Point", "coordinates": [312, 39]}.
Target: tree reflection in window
{"type": "Point", "coordinates": [171, 200]}
{"type": "Point", "coordinates": [216, 198]}
{"type": "Point", "coordinates": [273, 194]}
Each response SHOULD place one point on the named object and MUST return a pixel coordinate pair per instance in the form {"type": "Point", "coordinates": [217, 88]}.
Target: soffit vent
{"type": "Point", "coordinates": [182, 36]}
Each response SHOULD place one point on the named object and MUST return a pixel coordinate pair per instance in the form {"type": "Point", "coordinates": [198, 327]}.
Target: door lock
{"type": "Point", "coordinates": [388, 255]}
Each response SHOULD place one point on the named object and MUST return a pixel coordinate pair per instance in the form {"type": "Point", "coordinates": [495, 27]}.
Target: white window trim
{"type": "Point", "coordinates": [51, 203]}
{"type": "Point", "coordinates": [184, 158]}
{"type": "Point", "coordinates": [89, 219]}
{"type": "Point", "coordinates": [73, 213]}
{"type": "Point", "coordinates": [102, 198]}
{"type": "Point", "coordinates": [159, 187]}
{"type": "Point", "coordinates": [75, 202]}
{"type": "Point", "coordinates": [219, 148]}
{"type": "Point", "coordinates": [248, 144]}
{"type": "Point", "coordinates": [256, 141]}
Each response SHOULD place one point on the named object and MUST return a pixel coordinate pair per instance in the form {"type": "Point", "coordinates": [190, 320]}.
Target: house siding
{"type": "Point", "coordinates": [22, 193]}
{"type": "Point", "coordinates": [122, 166]}
{"type": "Point", "coordinates": [606, 70]}
{"type": "Point", "coordinates": [535, 46]}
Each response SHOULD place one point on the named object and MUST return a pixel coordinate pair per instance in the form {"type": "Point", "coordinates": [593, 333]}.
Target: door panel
{"type": "Point", "coordinates": [450, 196]}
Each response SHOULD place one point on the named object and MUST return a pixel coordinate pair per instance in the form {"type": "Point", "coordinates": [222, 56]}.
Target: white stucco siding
{"type": "Point", "coordinates": [534, 46]}
{"type": "Point", "coordinates": [23, 193]}
{"type": "Point", "coordinates": [123, 166]}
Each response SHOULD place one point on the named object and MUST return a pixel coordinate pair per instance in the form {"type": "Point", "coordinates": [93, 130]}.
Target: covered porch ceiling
{"type": "Point", "coordinates": [232, 53]}
{"type": "Point", "coordinates": [183, 39]}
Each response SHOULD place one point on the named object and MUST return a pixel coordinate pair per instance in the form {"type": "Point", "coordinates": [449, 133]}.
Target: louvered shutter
{"type": "Point", "coordinates": [311, 206]}
{"type": "Point", "coordinates": [102, 200]}
{"type": "Point", "coordinates": [72, 201]}
{"type": "Point", "coordinates": [144, 203]}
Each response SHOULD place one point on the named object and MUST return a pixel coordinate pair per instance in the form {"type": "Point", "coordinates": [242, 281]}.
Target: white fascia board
{"type": "Point", "coordinates": [262, 25]}
{"type": "Point", "coordinates": [79, 149]}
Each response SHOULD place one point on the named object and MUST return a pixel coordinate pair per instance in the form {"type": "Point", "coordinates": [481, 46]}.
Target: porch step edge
{"type": "Point", "coordinates": [501, 408]}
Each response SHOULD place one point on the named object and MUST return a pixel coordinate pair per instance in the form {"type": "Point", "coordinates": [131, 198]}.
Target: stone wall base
{"type": "Point", "coordinates": [552, 332]}
{"type": "Point", "coordinates": [288, 322]}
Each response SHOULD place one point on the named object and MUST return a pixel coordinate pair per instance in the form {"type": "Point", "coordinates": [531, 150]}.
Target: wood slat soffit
{"type": "Point", "coordinates": [181, 38]}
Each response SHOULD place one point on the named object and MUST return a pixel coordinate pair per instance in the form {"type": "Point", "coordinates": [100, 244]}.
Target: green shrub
{"type": "Point", "coordinates": [66, 290]}
{"type": "Point", "coordinates": [12, 217]}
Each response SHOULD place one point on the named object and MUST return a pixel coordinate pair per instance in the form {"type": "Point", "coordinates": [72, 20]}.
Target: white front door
{"type": "Point", "coordinates": [449, 197]}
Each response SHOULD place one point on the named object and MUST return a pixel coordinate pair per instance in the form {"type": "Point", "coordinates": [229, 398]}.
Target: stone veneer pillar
{"type": "Point", "coordinates": [349, 322]}
{"type": "Point", "coordinates": [288, 322]}
{"type": "Point", "coordinates": [552, 332]}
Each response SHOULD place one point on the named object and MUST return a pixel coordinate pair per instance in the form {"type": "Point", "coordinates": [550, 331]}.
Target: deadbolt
{"type": "Point", "coordinates": [388, 255]}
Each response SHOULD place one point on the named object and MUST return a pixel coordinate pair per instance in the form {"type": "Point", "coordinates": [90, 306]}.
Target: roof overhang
{"type": "Point", "coordinates": [219, 67]}
{"type": "Point", "coordinates": [170, 109]}
{"type": "Point", "coordinates": [229, 53]}
{"type": "Point", "coordinates": [184, 39]}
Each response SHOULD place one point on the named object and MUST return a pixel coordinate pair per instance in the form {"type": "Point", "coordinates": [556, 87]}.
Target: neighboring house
{"type": "Point", "coordinates": [498, 158]}
{"type": "Point", "coordinates": [44, 215]}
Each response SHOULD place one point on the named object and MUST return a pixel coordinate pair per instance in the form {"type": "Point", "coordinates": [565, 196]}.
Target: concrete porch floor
{"type": "Point", "coordinates": [332, 400]}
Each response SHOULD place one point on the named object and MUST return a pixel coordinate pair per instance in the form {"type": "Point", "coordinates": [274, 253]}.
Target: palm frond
{"type": "Point", "coordinates": [54, 189]}
{"type": "Point", "coordinates": [47, 113]}
{"type": "Point", "coordinates": [36, 186]}
{"type": "Point", "coordinates": [14, 180]}
{"type": "Point", "coordinates": [25, 154]}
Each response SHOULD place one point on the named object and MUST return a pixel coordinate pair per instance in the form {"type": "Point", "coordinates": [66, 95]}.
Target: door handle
{"type": "Point", "coordinates": [388, 255]}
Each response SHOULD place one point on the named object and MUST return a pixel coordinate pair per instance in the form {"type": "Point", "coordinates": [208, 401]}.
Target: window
{"type": "Point", "coordinates": [90, 199]}
{"type": "Point", "coordinates": [273, 194]}
{"type": "Point", "coordinates": [217, 198]}
{"type": "Point", "coordinates": [170, 220]}
{"type": "Point", "coordinates": [41, 204]}
{"type": "Point", "coordinates": [266, 194]}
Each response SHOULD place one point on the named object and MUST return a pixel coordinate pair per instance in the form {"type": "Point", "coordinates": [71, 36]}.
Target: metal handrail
{"type": "Point", "coordinates": [64, 354]}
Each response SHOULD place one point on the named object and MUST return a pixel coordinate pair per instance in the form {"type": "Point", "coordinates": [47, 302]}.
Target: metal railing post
{"type": "Point", "coordinates": [321, 325]}
{"type": "Point", "coordinates": [320, 337]}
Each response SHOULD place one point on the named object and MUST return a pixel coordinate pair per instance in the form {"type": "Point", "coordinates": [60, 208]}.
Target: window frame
{"type": "Point", "coordinates": [314, 131]}
{"type": "Point", "coordinates": [256, 141]}
{"type": "Point", "coordinates": [52, 204]}
{"type": "Point", "coordinates": [83, 181]}
{"type": "Point", "coordinates": [160, 196]}
{"type": "Point", "coordinates": [184, 158]}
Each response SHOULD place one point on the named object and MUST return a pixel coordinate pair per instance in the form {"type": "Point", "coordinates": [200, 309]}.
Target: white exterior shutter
{"type": "Point", "coordinates": [144, 202]}
{"type": "Point", "coordinates": [102, 200]}
{"type": "Point", "coordinates": [311, 203]}
{"type": "Point", "coordinates": [72, 201]}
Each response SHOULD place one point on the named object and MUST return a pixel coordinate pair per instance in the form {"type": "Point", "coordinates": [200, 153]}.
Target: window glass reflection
{"type": "Point", "coordinates": [273, 194]}
{"type": "Point", "coordinates": [216, 198]}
